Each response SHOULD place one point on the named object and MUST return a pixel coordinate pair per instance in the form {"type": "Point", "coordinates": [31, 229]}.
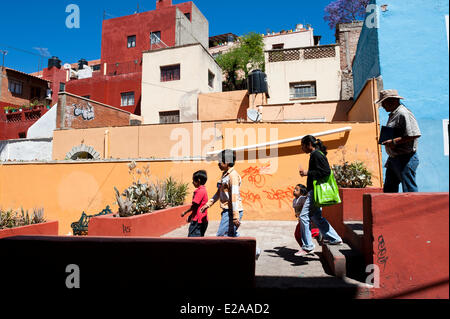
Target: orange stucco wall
{"type": "Point", "coordinates": [145, 141]}
{"type": "Point", "coordinates": [65, 189]}
{"type": "Point", "coordinates": [227, 105]}
{"type": "Point", "coordinates": [329, 111]}
{"type": "Point", "coordinates": [364, 108]}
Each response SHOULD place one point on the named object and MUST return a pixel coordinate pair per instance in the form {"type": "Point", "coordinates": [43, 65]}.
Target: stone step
{"type": "Point", "coordinates": [354, 234]}
{"type": "Point", "coordinates": [344, 261]}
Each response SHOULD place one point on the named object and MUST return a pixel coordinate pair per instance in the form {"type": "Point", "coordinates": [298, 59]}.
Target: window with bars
{"type": "Point", "coordinates": [169, 117]}
{"type": "Point", "coordinates": [155, 37]}
{"type": "Point", "coordinates": [170, 73]}
{"type": "Point", "coordinates": [303, 90]}
{"type": "Point", "coordinates": [211, 77]}
{"type": "Point", "coordinates": [278, 46]}
{"type": "Point", "coordinates": [62, 87]}
{"type": "Point", "coordinates": [127, 99]}
{"type": "Point", "coordinates": [15, 87]}
{"type": "Point", "coordinates": [131, 41]}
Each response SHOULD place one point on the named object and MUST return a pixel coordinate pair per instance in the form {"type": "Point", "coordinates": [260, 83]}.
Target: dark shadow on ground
{"type": "Point", "coordinates": [288, 255]}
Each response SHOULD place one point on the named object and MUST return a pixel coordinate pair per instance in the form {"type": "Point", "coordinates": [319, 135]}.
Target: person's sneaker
{"type": "Point", "coordinates": [333, 243]}
{"type": "Point", "coordinates": [302, 253]}
{"type": "Point", "coordinates": [258, 253]}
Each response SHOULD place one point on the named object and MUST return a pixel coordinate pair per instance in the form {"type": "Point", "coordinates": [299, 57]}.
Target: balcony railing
{"type": "Point", "coordinates": [309, 53]}
{"type": "Point", "coordinates": [123, 68]}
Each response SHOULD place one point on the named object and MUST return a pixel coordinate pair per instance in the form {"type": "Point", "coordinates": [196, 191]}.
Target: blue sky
{"type": "Point", "coordinates": [31, 24]}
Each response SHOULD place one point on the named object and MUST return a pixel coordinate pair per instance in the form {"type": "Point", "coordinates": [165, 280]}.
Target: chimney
{"type": "Point", "coordinates": [163, 4]}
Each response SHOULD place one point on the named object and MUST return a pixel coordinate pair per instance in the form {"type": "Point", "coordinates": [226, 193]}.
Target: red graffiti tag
{"type": "Point", "coordinates": [256, 175]}
{"type": "Point", "coordinates": [281, 195]}
{"type": "Point", "coordinates": [250, 198]}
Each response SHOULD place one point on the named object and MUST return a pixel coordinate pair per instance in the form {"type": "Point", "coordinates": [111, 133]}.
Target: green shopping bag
{"type": "Point", "coordinates": [327, 192]}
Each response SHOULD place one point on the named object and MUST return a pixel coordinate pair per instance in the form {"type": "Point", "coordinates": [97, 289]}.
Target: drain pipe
{"type": "Point", "coordinates": [288, 140]}
{"type": "Point", "coordinates": [106, 146]}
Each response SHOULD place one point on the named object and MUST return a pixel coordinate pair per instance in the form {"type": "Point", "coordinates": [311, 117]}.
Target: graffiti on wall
{"type": "Point", "coordinates": [257, 175]}
{"type": "Point", "coordinates": [86, 112]}
{"type": "Point", "coordinates": [381, 254]}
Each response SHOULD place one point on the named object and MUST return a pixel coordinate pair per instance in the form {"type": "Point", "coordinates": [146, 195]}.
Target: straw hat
{"type": "Point", "coordinates": [388, 94]}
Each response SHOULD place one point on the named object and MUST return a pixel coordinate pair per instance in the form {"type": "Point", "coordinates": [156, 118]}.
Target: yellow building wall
{"type": "Point", "coordinates": [66, 189]}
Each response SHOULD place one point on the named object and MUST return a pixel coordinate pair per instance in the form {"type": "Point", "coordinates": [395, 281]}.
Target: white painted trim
{"type": "Point", "coordinates": [445, 131]}
{"type": "Point", "coordinates": [287, 140]}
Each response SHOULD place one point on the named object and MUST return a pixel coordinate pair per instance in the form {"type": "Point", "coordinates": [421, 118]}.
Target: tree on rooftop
{"type": "Point", "coordinates": [237, 63]}
{"type": "Point", "coordinates": [345, 11]}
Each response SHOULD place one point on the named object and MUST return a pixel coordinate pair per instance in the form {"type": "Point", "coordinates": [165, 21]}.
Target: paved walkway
{"type": "Point", "coordinates": [277, 266]}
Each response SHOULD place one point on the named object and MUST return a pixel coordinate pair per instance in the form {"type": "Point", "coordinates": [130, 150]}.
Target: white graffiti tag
{"type": "Point", "coordinates": [87, 114]}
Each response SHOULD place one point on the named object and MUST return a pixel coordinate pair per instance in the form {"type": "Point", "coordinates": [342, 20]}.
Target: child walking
{"type": "Point", "coordinates": [300, 195]}
{"type": "Point", "coordinates": [199, 218]}
{"type": "Point", "coordinates": [228, 192]}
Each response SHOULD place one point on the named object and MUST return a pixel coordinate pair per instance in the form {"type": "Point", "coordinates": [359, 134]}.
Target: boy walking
{"type": "Point", "coordinates": [228, 191]}
{"type": "Point", "coordinates": [198, 218]}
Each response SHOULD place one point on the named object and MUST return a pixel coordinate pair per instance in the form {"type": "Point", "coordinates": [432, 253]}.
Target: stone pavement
{"type": "Point", "coordinates": [277, 267]}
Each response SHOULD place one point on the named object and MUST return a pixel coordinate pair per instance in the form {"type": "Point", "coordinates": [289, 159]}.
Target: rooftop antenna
{"type": "Point", "coordinates": [4, 52]}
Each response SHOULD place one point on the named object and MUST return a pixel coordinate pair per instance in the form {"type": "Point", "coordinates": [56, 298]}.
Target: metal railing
{"type": "Point", "coordinates": [309, 53]}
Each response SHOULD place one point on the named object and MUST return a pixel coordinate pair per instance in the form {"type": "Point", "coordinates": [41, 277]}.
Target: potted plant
{"type": "Point", "coordinates": [145, 208]}
{"type": "Point", "coordinates": [6, 108]}
{"type": "Point", "coordinates": [353, 180]}
{"type": "Point", "coordinates": [13, 223]}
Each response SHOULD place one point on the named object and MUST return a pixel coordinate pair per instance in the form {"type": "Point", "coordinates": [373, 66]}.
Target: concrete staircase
{"type": "Point", "coordinates": [346, 261]}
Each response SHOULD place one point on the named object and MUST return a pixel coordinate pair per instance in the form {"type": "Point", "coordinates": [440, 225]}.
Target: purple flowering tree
{"type": "Point", "coordinates": [344, 11]}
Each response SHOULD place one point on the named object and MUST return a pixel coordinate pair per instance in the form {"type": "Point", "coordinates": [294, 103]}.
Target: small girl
{"type": "Point", "coordinates": [300, 195]}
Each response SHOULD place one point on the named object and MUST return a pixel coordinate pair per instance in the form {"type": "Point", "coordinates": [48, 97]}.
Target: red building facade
{"type": "Point", "coordinates": [124, 39]}
{"type": "Point", "coordinates": [22, 102]}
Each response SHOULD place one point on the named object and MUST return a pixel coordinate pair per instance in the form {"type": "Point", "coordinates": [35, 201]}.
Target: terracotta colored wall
{"type": "Point", "coordinates": [364, 108]}
{"type": "Point", "coordinates": [155, 224]}
{"type": "Point", "coordinates": [49, 228]}
{"type": "Point", "coordinates": [145, 141]}
{"type": "Point", "coordinates": [223, 106]}
{"type": "Point", "coordinates": [330, 111]}
{"type": "Point", "coordinates": [103, 115]}
{"type": "Point", "coordinates": [409, 242]}
{"type": "Point", "coordinates": [350, 209]}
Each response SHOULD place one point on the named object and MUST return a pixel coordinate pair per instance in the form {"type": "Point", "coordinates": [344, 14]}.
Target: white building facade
{"type": "Point", "coordinates": [172, 78]}
{"type": "Point", "coordinates": [307, 74]}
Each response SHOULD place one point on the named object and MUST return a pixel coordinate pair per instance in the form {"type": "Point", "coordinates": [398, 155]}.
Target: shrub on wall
{"type": "Point", "coordinates": [352, 175]}
{"type": "Point", "coordinates": [143, 197]}
{"type": "Point", "coordinates": [12, 219]}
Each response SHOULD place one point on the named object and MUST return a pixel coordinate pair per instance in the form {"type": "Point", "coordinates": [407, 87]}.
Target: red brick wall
{"type": "Point", "coordinates": [103, 116]}
{"type": "Point", "coordinates": [27, 83]}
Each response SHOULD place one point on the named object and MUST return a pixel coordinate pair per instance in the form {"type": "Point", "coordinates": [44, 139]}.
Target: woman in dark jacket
{"type": "Point", "coordinates": [319, 169]}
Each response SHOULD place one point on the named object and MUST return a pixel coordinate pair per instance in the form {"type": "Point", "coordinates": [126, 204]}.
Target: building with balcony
{"type": "Point", "coordinates": [306, 74]}
{"type": "Point", "coordinates": [22, 102]}
{"type": "Point", "coordinates": [116, 78]}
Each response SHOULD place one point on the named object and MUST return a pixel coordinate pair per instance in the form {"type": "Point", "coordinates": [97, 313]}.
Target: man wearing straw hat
{"type": "Point", "coordinates": [403, 161]}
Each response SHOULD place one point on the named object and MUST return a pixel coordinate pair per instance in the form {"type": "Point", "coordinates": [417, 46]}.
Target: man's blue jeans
{"type": "Point", "coordinates": [401, 169]}
{"type": "Point", "coordinates": [226, 227]}
{"type": "Point", "coordinates": [314, 213]}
